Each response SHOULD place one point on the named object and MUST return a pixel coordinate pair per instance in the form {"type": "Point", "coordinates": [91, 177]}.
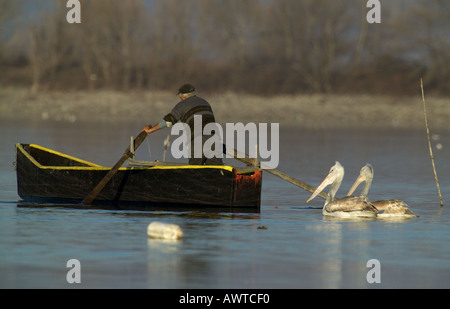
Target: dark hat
{"type": "Point", "coordinates": [186, 88]}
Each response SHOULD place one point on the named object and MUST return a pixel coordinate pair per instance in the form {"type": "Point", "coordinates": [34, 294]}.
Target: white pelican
{"type": "Point", "coordinates": [388, 208]}
{"type": "Point", "coordinates": [350, 206]}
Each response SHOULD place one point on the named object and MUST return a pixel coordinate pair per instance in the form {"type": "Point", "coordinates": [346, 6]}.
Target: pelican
{"type": "Point", "coordinates": [388, 208]}
{"type": "Point", "coordinates": [350, 206]}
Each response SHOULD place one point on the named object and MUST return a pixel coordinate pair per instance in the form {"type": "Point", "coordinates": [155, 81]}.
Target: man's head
{"type": "Point", "coordinates": [186, 91]}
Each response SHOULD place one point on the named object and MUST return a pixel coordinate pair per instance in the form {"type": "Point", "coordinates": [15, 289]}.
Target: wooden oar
{"type": "Point", "coordinates": [249, 161]}
{"type": "Point", "coordinates": [127, 154]}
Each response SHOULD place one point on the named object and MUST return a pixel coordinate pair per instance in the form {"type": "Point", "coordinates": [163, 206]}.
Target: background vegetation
{"type": "Point", "coordinates": [263, 47]}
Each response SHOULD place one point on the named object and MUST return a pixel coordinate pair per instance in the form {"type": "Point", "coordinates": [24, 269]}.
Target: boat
{"type": "Point", "coordinates": [46, 176]}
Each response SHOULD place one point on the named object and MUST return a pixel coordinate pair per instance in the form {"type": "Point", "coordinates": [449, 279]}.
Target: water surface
{"type": "Point", "coordinates": [289, 244]}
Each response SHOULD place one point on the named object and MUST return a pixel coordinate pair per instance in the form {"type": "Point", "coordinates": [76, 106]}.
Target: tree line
{"type": "Point", "coordinates": [261, 47]}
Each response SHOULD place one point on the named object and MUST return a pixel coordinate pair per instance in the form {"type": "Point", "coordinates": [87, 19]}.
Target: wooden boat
{"type": "Point", "coordinates": [48, 176]}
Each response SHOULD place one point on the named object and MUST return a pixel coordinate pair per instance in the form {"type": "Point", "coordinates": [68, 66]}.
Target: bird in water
{"type": "Point", "coordinates": [387, 208]}
{"type": "Point", "coordinates": [349, 206]}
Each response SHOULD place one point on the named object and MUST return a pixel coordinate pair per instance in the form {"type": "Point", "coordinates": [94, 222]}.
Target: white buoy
{"type": "Point", "coordinates": [164, 231]}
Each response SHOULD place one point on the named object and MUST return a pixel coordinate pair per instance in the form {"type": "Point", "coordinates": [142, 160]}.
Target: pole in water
{"type": "Point", "coordinates": [149, 150]}
{"type": "Point", "coordinates": [429, 143]}
{"type": "Point", "coordinates": [132, 155]}
{"type": "Point", "coordinates": [166, 144]}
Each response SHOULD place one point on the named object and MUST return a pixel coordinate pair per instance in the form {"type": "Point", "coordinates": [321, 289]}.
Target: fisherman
{"type": "Point", "coordinates": [190, 106]}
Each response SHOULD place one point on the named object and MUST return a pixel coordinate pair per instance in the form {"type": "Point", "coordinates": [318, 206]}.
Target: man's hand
{"type": "Point", "coordinates": [147, 129]}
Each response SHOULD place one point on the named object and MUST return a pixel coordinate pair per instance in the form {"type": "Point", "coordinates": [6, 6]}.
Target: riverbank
{"type": "Point", "coordinates": [318, 111]}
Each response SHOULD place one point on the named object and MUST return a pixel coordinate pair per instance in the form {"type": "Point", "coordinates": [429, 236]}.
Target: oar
{"type": "Point", "coordinates": [249, 161]}
{"type": "Point", "coordinates": [127, 154]}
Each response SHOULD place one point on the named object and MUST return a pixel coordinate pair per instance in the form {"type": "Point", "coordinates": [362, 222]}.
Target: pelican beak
{"type": "Point", "coordinates": [361, 178]}
{"type": "Point", "coordinates": [327, 181]}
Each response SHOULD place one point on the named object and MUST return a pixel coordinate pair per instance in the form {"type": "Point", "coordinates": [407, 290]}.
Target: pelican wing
{"type": "Point", "coordinates": [394, 207]}
{"type": "Point", "coordinates": [350, 204]}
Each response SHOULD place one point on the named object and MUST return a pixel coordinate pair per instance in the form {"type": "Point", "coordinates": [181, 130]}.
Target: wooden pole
{"type": "Point", "coordinates": [166, 144]}
{"type": "Point", "coordinates": [247, 160]}
{"type": "Point", "coordinates": [429, 143]}
{"type": "Point", "coordinates": [132, 156]}
{"type": "Point", "coordinates": [127, 154]}
{"type": "Point", "coordinates": [149, 150]}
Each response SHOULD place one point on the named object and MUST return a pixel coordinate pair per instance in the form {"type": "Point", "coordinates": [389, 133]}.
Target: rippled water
{"type": "Point", "coordinates": [289, 244]}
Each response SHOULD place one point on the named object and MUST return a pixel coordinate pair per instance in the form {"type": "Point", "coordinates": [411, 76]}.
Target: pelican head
{"type": "Point", "coordinates": [334, 178]}
{"type": "Point", "coordinates": [365, 175]}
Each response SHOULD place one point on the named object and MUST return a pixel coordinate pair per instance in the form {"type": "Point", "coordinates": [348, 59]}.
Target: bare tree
{"type": "Point", "coordinates": [109, 41]}
{"type": "Point", "coordinates": [50, 46]}
{"type": "Point", "coordinates": [8, 9]}
{"type": "Point", "coordinates": [258, 46]}
{"type": "Point", "coordinates": [230, 31]}
{"type": "Point", "coordinates": [431, 21]}
{"type": "Point", "coordinates": [312, 36]}
{"type": "Point", "coordinates": [174, 42]}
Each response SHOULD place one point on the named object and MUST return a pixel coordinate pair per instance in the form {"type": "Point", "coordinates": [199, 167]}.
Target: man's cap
{"type": "Point", "coordinates": [186, 88]}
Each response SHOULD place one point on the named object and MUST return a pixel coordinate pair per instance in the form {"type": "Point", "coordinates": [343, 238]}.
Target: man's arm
{"type": "Point", "coordinates": [149, 129]}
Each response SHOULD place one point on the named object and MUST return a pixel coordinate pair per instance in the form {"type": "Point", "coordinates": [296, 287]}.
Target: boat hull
{"type": "Point", "coordinates": [47, 176]}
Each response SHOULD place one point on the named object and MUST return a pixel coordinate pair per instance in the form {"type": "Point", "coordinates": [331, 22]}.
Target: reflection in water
{"type": "Point", "coordinates": [342, 241]}
{"type": "Point", "coordinates": [163, 262]}
{"type": "Point", "coordinates": [351, 219]}
{"type": "Point", "coordinates": [395, 218]}
{"type": "Point", "coordinates": [164, 245]}
{"type": "Point", "coordinates": [331, 269]}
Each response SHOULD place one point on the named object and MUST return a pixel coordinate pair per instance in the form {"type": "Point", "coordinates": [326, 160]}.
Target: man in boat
{"type": "Point", "coordinates": [190, 106]}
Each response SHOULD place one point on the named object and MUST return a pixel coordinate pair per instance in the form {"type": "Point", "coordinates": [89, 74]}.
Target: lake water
{"type": "Point", "coordinates": [298, 248]}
